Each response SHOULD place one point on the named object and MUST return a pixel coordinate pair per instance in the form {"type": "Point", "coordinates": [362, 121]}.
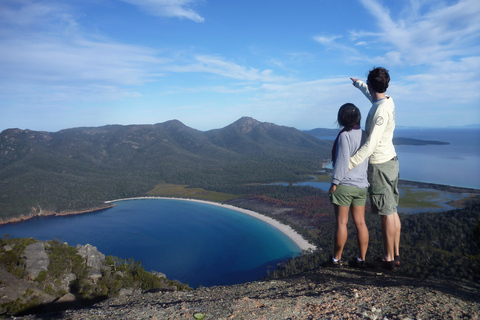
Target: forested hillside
{"type": "Point", "coordinates": [78, 169]}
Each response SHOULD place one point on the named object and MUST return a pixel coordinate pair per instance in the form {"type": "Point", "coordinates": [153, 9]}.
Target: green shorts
{"type": "Point", "coordinates": [347, 196]}
{"type": "Point", "coordinates": [383, 178]}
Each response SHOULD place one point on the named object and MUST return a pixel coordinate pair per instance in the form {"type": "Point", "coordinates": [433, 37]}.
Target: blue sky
{"type": "Point", "coordinates": [207, 63]}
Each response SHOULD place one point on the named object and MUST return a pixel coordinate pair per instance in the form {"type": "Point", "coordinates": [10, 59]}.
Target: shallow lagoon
{"type": "Point", "coordinates": [419, 199]}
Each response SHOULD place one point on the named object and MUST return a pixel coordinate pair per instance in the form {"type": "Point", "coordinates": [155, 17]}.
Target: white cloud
{"type": "Point", "coordinates": [440, 34]}
{"type": "Point", "coordinates": [169, 8]}
{"type": "Point", "coordinates": [307, 104]}
{"type": "Point", "coordinates": [217, 65]}
{"type": "Point", "coordinates": [327, 40]}
{"type": "Point", "coordinates": [77, 60]}
{"type": "Point", "coordinates": [63, 57]}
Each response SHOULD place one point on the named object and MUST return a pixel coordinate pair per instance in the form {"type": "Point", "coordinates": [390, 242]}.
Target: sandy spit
{"type": "Point", "coordinates": [287, 230]}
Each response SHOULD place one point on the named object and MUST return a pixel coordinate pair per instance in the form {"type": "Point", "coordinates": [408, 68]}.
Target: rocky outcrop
{"type": "Point", "coordinates": [94, 260]}
{"type": "Point", "coordinates": [36, 259]}
{"type": "Point", "coordinates": [14, 289]}
{"type": "Point", "coordinates": [49, 276]}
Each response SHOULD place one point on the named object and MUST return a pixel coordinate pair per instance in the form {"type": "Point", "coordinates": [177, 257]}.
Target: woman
{"type": "Point", "coordinates": [348, 190]}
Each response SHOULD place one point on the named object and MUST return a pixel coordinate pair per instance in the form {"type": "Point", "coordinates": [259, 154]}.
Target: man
{"type": "Point", "coordinates": [383, 166]}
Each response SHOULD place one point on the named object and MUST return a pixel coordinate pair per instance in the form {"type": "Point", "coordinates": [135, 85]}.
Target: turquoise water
{"type": "Point", "coordinates": [194, 243]}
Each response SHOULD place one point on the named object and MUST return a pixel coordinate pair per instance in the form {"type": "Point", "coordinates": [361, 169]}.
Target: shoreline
{"type": "Point", "coordinates": [23, 218]}
{"type": "Point", "coordinates": [285, 229]}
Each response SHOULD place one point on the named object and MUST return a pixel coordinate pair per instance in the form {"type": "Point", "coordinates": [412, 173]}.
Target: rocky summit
{"type": "Point", "coordinates": [324, 293]}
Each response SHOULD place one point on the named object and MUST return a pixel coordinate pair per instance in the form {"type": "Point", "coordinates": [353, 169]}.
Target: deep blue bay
{"type": "Point", "coordinates": [194, 243]}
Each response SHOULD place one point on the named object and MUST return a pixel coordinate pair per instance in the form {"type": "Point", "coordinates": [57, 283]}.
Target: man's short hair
{"type": "Point", "coordinates": [378, 79]}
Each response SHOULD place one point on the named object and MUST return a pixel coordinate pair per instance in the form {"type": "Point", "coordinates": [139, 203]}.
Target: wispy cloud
{"type": "Point", "coordinates": [65, 64]}
{"type": "Point", "coordinates": [440, 39]}
{"type": "Point", "coordinates": [441, 33]}
{"type": "Point", "coordinates": [327, 40]}
{"type": "Point", "coordinates": [219, 66]}
{"type": "Point", "coordinates": [330, 42]}
{"type": "Point", "coordinates": [169, 8]}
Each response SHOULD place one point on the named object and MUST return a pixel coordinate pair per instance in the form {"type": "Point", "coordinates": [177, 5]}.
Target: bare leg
{"type": "Point", "coordinates": [358, 214]}
{"type": "Point", "coordinates": [389, 230]}
{"type": "Point", "coordinates": [397, 234]}
{"type": "Point", "coordinates": [341, 233]}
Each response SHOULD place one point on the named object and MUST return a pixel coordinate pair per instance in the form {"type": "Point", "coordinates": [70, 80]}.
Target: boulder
{"type": "Point", "coordinates": [36, 259]}
{"type": "Point", "coordinates": [67, 280]}
{"type": "Point", "coordinates": [93, 258]}
{"type": "Point", "coordinates": [68, 301]}
{"type": "Point", "coordinates": [159, 274]}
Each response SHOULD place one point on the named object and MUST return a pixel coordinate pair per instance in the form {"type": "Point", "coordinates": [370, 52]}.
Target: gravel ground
{"type": "Point", "coordinates": [325, 293]}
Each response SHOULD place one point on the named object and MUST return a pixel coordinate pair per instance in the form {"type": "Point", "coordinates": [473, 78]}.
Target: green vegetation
{"type": "Point", "coordinates": [79, 169]}
{"type": "Point", "coordinates": [418, 198]}
{"type": "Point", "coordinates": [323, 177]}
{"type": "Point", "coordinates": [443, 245]}
{"type": "Point", "coordinates": [177, 191]}
{"type": "Point", "coordinates": [117, 274]}
{"type": "Point", "coordinates": [11, 260]}
{"type": "Point", "coordinates": [131, 274]}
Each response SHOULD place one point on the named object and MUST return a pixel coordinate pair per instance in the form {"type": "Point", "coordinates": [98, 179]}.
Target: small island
{"type": "Point", "coordinates": [416, 142]}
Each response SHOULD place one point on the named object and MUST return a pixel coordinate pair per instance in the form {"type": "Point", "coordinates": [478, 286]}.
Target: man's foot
{"type": "Point", "coordinates": [397, 261]}
{"type": "Point", "coordinates": [388, 265]}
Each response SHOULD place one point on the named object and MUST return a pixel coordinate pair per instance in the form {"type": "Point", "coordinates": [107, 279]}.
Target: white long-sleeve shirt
{"type": "Point", "coordinates": [379, 127]}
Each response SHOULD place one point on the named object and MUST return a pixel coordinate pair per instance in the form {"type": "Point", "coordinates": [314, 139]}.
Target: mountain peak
{"type": "Point", "coordinates": [246, 124]}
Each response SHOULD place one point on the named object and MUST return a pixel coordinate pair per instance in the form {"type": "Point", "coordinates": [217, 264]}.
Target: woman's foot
{"type": "Point", "coordinates": [334, 263]}
{"type": "Point", "coordinates": [357, 263]}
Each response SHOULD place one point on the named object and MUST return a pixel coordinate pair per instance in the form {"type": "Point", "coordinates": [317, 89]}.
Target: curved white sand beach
{"type": "Point", "coordinates": [287, 230]}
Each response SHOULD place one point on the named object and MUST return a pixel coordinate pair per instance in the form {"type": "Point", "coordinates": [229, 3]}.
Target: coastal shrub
{"type": "Point", "coordinates": [11, 260]}
{"type": "Point", "coordinates": [42, 276]}
{"type": "Point", "coordinates": [440, 245]}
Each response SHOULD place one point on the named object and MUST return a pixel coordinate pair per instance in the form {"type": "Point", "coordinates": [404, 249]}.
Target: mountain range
{"type": "Point", "coordinates": [78, 169]}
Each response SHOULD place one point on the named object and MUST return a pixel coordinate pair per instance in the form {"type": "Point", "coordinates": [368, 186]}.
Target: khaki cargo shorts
{"type": "Point", "coordinates": [383, 178]}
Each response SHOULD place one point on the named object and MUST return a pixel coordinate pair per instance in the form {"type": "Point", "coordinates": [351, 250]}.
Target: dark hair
{"type": "Point", "coordinates": [378, 79]}
{"type": "Point", "coordinates": [349, 116]}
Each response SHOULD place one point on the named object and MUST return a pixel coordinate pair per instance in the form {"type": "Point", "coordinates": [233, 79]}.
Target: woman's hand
{"type": "Point", "coordinates": [354, 80]}
{"type": "Point", "coordinates": [333, 187]}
